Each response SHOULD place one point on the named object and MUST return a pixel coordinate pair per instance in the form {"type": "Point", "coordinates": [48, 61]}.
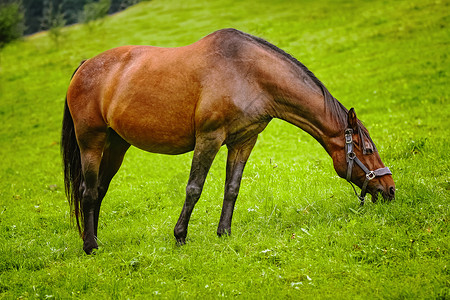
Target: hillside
{"type": "Point", "coordinates": [298, 230]}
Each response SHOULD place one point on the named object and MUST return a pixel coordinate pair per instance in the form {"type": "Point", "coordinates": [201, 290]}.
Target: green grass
{"type": "Point", "coordinates": [298, 231]}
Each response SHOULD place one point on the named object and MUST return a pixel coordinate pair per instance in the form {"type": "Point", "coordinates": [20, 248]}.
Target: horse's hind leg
{"type": "Point", "coordinates": [237, 157]}
{"type": "Point", "coordinates": [112, 158]}
{"type": "Point", "coordinates": [91, 149]}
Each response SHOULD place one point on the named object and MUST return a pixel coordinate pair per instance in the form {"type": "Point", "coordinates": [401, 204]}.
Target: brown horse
{"type": "Point", "coordinates": [222, 90]}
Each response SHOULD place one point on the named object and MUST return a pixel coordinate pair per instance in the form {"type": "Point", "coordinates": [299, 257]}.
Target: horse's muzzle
{"type": "Point", "coordinates": [387, 193]}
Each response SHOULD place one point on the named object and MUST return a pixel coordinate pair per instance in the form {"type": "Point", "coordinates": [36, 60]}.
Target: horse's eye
{"type": "Point", "coordinates": [368, 149]}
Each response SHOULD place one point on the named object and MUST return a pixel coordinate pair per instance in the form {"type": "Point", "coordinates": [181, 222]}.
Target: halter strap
{"type": "Point", "coordinates": [351, 158]}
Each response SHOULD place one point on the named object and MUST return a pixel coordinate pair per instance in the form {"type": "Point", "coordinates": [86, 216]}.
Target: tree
{"type": "Point", "coordinates": [11, 22]}
{"type": "Point", "coordinates": [94, 11]}
{"type": "Point", "coordinates": [34, 13]}
{"type": "Point", "coordinates": [53, 20]}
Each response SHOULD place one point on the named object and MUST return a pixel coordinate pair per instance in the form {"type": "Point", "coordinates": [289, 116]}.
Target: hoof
{"type": "Point", "coordinates": [90, 251]}
{"type": "Point", "coordinates": [223, 232]}
{"type": "Point", "coordinates": [90, 247]}
{"type": "Point", "coordinates": [180, 235]}
{"type": "Point", "coordinates": [181, 241]}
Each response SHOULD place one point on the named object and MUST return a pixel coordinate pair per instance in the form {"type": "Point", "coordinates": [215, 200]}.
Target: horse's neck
{"type": "Point", "coordinates": [303, 105]}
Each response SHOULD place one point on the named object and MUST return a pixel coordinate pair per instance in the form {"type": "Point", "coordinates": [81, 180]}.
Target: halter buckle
{"type": "Point", "coordinates": [371, 175]}
{"type": "Point", "coordinates": [351, 155]}
{"type": "Point", "coordinates": [348, 136]}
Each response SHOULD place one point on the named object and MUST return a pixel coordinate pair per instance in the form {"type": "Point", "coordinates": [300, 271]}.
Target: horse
{"type": "Point", "coordinates": [221, 90]}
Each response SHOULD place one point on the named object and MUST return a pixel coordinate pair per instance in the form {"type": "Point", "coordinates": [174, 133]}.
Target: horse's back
{"type": "Point", "coordinates": [155, 98]}
{"type": "Point", "coordinates": [146, 94]}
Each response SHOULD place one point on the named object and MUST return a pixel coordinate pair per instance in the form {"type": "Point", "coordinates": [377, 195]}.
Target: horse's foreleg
{"type": "Point", "coordinates": [237, 157]}
{"type": "Point", "coordinates": [206, 148]}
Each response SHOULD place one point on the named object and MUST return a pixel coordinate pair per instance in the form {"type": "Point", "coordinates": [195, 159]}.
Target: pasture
{"type": "Point", "coordinates": [298, 229]}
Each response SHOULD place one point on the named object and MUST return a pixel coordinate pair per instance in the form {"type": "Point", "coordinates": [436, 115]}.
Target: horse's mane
{"type": "Point", "coordinates": [332, 105]}
{"type": "Point", "coordinates": [337, 110]}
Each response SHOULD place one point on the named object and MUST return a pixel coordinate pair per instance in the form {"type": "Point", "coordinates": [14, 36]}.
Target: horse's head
{"type": "Point", "coordinates": [358, 162]}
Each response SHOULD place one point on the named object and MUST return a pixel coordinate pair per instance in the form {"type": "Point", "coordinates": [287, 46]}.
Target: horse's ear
{"type": "Point", "coordinates": [352, 120]}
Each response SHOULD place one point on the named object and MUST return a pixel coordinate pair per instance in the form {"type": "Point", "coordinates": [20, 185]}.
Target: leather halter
{"type": "Point", "coordinates": [351, 158]}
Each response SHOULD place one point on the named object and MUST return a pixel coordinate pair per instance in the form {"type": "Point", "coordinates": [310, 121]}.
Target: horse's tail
{"type": "Point", "coordinates": [72, 165]}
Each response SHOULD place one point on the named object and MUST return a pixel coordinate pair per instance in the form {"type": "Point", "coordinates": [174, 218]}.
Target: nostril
{"type": "Point", "coordinates": [392, 191]}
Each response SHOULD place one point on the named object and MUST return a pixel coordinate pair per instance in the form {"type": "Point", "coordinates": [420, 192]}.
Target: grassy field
{"type": "Point", "coordinates": [298, 231]}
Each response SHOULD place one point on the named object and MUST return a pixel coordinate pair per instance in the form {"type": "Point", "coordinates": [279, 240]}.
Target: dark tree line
{"type": "Point", "coordinates": [11, 22]}
{"type": "Point", "coordinates": [72, 10]}
{"type": "Point", "coordinates": [22, 17]}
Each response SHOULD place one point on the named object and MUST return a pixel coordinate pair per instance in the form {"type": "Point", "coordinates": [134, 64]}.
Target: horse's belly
{"type": "Point", "coordinates": [156, 133]}
{"type": "Point", "coordinates": [165, 148]}
{"type": "Point", "coordinates": [152, 102]}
